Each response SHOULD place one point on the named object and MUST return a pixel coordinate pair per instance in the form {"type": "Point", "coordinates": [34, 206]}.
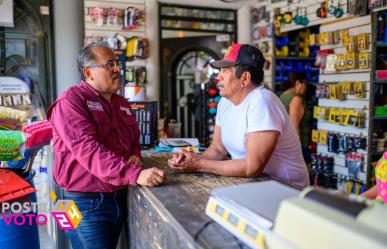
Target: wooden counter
{"type": "Point", "coordinates": [173, 215]}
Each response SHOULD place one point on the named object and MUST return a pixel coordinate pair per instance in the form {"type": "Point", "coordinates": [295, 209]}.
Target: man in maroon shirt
{"type": "Point", "coordinates": [97, 150]}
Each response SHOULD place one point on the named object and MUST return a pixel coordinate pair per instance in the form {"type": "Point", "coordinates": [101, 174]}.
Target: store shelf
{"type": "Point", "coordinates": [200, 30]}
{"type": "Point", "coordinates": [196, 19]}
{"type": "Point", "coordinates": [381, 44]}
{"type": "Point", "coordinates": [379, 9]}
{"type": "Point", "coordinates": [263, 39]}
{"type": "Point", "coordinates": [296, 58]}
{"type": "Point", "coordinates": [380, 81]}
{"type": "Point", "coordinates": [348, 71]}
{"type": "Point", "coordinates": [380, 118]}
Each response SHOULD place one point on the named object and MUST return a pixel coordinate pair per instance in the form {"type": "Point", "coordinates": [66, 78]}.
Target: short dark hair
{"type": "Point", "coordinates": [255, 72]}
{"type": "Point", "coordinates": [86, 56]}
{"type": "Point", "coordinates": [292, 79]}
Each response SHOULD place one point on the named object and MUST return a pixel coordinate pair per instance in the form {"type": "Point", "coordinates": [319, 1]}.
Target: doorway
{"type": "Point", "coordinates": [190, 37]}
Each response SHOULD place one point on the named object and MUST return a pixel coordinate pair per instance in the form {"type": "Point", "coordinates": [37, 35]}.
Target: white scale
{"type": "Point", "coordinates": [270, 215]}
{"type": "Point", "coordinates": [248, 211]}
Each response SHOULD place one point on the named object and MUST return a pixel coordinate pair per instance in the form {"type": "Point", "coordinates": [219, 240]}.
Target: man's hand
{"type": "Point", "coordinates": [184, 161]}
{"type": "Point", "coordinates": [135, 160]}
{"type": "Point", "coordinates": [151, 177]}
{"type": "Point", "coordinates": [176, 158]}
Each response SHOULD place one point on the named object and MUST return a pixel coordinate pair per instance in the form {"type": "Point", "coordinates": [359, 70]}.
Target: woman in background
{"type": "Point", "coordinates": [379, 191]}
{"type": "Point", "coordinates": [293, 98]}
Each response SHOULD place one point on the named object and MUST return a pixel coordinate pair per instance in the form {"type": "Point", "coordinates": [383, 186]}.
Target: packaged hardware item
{"type": "Point", "coordinates": [333, 143]}
{"type": "Point", "coordinates": [354, 163]}
{"type": "Point", "coordinates": [325, 38]}
{"type": "Point", "coordinates": [346, 87]}
{"type": "Point", "coordinates": [356, 118]}
{"type": "Point", "coordinates": [320, 112]}
{"type": "Point", "coordinates": [97, 15]}
{"type": "Point", "coordinates": [134, 17]}
{"type": "Point", "coordinates": [359, 89]}
{"type": "Point", "coordinates": [331, 61]}
{"type": "Point", "coordinates": [321, 171]}
{"type": "Point", "coordinates": [334, 116]}
{"type": "Point", "coordinates": [350, 44]}
{"type": "Point", "coordinates": [344, 34]}
{"type": "Point", "coordinates": [322, 91]}
{"type": "Point", "coordinates": [323, 137]}
{"type": "Point", "coordinates": [315, 135]}
{"type": "Point", "coordinates": [344, 116]}
{"type": "Point", "coordinates": [335, 92]}
{"type": "Point", "coordinates": [340, 62]}
{"type": "Point", "coordinates": [364, 60]}
{"type": "Point", "coordinates": [351, 61]}
{"type": "Point", "coordinates": [321, 58]}
{"type": "Point", "coordinates": [113, 17]}
{"type": "Point", "coordinates": [362, 42]}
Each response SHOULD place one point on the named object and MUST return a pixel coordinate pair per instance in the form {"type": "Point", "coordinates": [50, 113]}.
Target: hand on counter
{"type": "Point", "coordinates": [135, 160]}
{"type": "Point", "coordinates": [151, 177]}
{"type": "Point", "coordinates": [184, 161]}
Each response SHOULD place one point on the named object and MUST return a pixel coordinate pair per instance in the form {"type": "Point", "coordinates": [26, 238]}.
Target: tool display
{"type": "Point", "coordinates": [146, 117]}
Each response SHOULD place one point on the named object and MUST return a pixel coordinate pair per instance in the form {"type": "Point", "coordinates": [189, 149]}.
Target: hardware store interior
{"type": "Point", "coordinates": [193, 124]}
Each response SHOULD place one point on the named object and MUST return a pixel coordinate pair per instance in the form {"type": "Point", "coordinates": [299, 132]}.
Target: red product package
{"type": "Point", "coordinates": [97, 15]}
{"type": "Point", "coordinates": [114, 15]}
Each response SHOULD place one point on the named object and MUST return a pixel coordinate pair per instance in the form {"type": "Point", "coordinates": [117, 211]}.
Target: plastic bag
{"type": "Point", "coordinates": [10, 144]}
{"type": "Point", "coordinates": [11, 113]}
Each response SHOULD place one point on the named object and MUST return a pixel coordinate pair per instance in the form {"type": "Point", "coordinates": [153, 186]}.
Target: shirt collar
{"type": "Point", "coordinates": [91, 90]}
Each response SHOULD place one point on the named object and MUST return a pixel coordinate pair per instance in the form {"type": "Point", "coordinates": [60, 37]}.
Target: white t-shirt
{"type": "Point", "coordinates": [261, 110]}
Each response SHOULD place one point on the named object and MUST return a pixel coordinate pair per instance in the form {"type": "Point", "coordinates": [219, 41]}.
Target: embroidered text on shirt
{"type": "Point", "coordinates": [94, 106]}
{"type": "Point", "coordinates": [126, 109]}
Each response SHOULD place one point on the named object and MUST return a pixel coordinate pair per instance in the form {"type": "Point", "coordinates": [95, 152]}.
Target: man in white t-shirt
{"type": "Point", "coordinates": [252, 125]}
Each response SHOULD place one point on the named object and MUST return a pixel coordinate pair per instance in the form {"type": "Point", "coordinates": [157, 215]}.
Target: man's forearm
{"type": "Point", "coordinates": [237, 168]}
{"type": "Point", "coordinates": [212, 153]}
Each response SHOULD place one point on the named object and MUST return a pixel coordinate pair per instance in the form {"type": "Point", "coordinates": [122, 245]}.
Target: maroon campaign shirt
{"type": "Point", "coordinates": [92, 141]}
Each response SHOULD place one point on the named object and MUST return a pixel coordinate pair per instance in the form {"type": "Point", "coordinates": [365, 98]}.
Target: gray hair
{"type": "Point", "coordinates": [86, 57]}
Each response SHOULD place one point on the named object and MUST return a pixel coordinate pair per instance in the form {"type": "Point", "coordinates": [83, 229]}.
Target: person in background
{"type": "Point", "coordinates": [379, 191]}
{"type": "Point", "coordinates": [252, 126]}
{"type": "Point", "coordinates": [293, 98]}
{"type": "Point", "coordinates": [96, 148]}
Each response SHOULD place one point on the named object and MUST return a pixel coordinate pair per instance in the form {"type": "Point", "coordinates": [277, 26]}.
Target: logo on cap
{"type": "Point", "coordinates": [228, 51]}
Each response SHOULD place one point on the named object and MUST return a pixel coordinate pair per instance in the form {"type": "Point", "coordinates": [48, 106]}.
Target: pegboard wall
{"type": "Point", "coordinates": [355, 26]}
{"type": "Point", "coordinates": [263, 19]}
{"type": "Point", "coordinates": [309, 8]}
{"type": "Point", "coordinates": [106, 31]}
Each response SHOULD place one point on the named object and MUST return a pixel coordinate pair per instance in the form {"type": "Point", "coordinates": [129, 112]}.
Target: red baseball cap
{"type": "Point", "coordinates": [241, 54]}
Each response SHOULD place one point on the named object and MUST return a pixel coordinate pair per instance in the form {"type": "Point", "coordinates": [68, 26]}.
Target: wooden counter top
{"type": "Point", "coordinates": [173, 215]}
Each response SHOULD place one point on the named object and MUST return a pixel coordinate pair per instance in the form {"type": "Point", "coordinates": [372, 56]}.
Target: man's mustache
{"type": "Point", "coordinates": [116, 76]}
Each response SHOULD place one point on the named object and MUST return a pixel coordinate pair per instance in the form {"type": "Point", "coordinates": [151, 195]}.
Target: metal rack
{"type": "Point", "coordinates": [374, 86]}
